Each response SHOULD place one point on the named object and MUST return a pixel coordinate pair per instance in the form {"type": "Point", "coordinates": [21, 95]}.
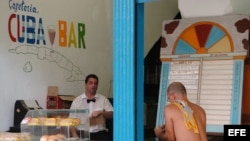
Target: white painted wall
{"type": "Point", "coordinates": [241, 7]}
{"type": "Point", "coordinates": [155, 13]}
{"type": "Point", "coordinates": [204, 8]}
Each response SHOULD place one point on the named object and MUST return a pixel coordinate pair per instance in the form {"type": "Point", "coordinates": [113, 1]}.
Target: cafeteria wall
{"type": "Point", "coordinates": [52, 43]}
{"type": "Point", "coordinates": [30, 61]}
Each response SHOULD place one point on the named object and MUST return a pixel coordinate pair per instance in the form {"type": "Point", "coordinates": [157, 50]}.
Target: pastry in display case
{"type": "Point", "coordinates": [56, 124]}
{"type": "Point", "coordinates": [9, 136]}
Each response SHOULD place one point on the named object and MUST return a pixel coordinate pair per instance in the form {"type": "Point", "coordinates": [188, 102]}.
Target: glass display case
{"type": "Point", "coordinates": [56, 124]}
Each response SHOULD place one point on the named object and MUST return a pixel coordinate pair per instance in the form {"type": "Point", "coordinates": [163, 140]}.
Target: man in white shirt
{"type": "Point", "coordinates": [99, 107]}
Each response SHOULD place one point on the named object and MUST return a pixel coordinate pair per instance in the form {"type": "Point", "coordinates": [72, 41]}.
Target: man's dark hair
{"type": "Point", "coordinates": [90, 76]}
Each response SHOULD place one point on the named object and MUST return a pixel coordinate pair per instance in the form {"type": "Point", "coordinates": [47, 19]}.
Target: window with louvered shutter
{"type": "Point", "coordinates": [213, 84]}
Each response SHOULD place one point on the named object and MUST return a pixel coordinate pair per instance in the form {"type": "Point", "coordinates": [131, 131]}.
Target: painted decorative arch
{"type": "Point", "coordinates": [203, 38]}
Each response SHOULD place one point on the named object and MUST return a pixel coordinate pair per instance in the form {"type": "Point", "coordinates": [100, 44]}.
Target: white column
{"type": "Point", "coordinates": [204, 8]}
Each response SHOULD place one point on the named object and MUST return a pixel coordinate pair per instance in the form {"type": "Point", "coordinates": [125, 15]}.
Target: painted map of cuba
{"type": "Point", "coordinates": [44, 53]}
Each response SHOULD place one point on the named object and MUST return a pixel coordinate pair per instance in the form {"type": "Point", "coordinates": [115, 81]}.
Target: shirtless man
{"type": "Point", "coordinates": [184, 120]}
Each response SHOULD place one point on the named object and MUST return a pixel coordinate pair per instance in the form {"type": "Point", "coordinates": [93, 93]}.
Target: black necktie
{"type": "Point", "coordinates": [90, 100]}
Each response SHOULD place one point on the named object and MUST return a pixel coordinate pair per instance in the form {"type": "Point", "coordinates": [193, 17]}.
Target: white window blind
{"type": "Point", "coordinates": [216, 90]}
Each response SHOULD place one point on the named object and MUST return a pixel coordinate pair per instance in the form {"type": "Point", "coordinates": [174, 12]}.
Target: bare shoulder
{"type": "Point", "coordinates": [197, 107]}
{"type": "Point", "coordinates": [171, 109]}
{"type": "Point", "coordinates": [199, 112]}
